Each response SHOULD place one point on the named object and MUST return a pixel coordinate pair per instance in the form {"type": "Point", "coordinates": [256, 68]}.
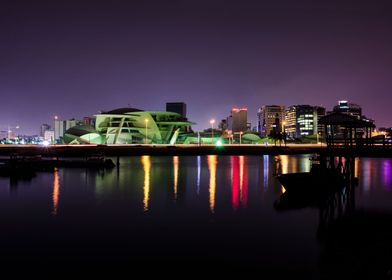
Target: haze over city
{"type": "Point", "coordinates": [75, 58]}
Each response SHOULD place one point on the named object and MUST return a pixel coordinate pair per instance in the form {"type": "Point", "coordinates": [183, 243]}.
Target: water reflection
{"type": "Point", "coordinates": [175, 175]}
{"type": "Point", "coordinates": [386, 171]}
{"type": "Point", "coordinates": [239, 181]}
{"type": "Point", "coordinates": [198, 174]}
{"type": "Point", "coordinates": [243, 180]}
{"type": "Point", "coordinates": [107, 206]}
{"type": "Point", "coordinates": [265, 171]}
{"type": "Point", "coordinates": [56, 191]}
{"type": "Point", "coordinates": [212, 163]}
{"type": "Point", "coordinates": [235, 178]}
{"type": "Point", "coordinates": [146, 162]}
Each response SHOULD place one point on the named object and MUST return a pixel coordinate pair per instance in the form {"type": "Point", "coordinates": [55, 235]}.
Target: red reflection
{"type": "Point", "coordinates": [239, 181]}
{"type": "Point", "coordinates": [235, 181]}
{"type": "Point", "coordinates": [244, 180]}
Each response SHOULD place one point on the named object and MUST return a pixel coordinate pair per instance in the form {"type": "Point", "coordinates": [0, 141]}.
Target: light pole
{"type": "Point", "coordinates": [56, 135]}
{"type": "Point", "coordinates": [212, 121]}
{"type": "Point", "coordinates": [284, 132]}
{"type": "Point", "coordinates": [241, 137]}
{"type": "Point", "coordinates": [146, 121]}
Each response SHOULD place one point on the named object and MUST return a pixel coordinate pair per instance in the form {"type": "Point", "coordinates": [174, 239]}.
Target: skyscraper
{"type": "Point", "coordinates": [44, 127]}
{"type": "Point", "coordinates": [348, 108]}
{"type": "Point", "coordinates": [60, 126]}
{"type": "Point", "coordinates": [270, 119]}
{"type": "Point", "coordinates": [237, 121]}
{"type": "Point", "coordinates": [176, 107]}
{"type": "Point", "coordinates": [302, 120]}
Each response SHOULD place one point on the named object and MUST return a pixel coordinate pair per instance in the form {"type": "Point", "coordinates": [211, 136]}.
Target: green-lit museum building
{"type": "Point", "coordinates": [131, 126]}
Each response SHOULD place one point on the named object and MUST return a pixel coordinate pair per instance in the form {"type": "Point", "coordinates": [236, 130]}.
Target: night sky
{"type": "Point", "coordinates": [75, 58]}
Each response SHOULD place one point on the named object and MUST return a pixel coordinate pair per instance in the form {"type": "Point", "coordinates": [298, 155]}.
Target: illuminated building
{"type": "Point", "coordinates": [237, 121]}
{"type": "Point", "coordinates": [270, 119]}
{"type": "Point", "coordinates": [61, 126]}
{"type": "Point", "coordinates": [302, 120]}
{"type": "Point", "coordinates": [351, 109]}
{"type": "Point", "coordinates": [131, 126]}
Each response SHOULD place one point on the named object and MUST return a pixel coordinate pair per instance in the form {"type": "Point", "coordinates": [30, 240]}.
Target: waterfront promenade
{"type": "Point", "coordinates": [172, 150]}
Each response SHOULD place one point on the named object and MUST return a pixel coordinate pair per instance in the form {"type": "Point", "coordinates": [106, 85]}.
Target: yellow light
{"type": "Point", "coordinates": [146, 188]}
{"type": "Point", "coordinates": [56, 190]}
{"type": "Point", "coordinates": [212, 162]}
{"type": "Point", "coordinates": [175, 173]}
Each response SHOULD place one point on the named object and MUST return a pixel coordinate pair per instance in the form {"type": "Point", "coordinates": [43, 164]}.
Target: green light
{"type": "Point", "coordinates": [219, 143]}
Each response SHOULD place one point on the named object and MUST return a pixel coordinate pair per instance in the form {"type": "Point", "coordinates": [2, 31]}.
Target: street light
{"type": "Point", "coordinates": [241, 137]}
{"type": "Point", "coordinates": [212, 121]}
{"type": "Point", "coordinates": [284, 132]}
{"type": "Point", "coordinates": [146, 121]}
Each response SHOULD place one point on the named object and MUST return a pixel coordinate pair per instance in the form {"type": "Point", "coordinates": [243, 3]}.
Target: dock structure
{"type": "Point", "coordinates": [342, 130]}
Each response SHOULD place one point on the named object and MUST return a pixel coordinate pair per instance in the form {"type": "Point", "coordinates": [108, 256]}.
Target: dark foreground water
{"type": "Point", "coordinates": [206, 214]}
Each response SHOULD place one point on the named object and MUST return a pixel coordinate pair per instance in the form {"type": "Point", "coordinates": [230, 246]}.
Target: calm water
{"type": "Point", "coordinates": [201, 213]}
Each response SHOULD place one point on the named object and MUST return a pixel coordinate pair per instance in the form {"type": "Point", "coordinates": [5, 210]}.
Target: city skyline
{"type": "Point", "coordinates": [76, 58]}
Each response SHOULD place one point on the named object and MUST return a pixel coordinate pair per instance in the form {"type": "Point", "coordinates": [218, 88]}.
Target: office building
{"type": "Point", "coordinates": [302, 120]}
{"type": "Point", "coordinates": [176, 107]}
{"type": "Point", "coordinates": [44, 127]}
{"type": "Point", "coordinates": [237, 121]}
{"type": "Point", "coordinates": [270, 120]}
{"type": "Point", "coordinates": [60, 126]}
{"type": "Point", "coordinates": [351, 109]}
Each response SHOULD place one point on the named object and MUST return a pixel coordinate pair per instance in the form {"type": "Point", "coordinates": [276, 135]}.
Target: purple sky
{"type": "Point", "coordinates": [74, 58]}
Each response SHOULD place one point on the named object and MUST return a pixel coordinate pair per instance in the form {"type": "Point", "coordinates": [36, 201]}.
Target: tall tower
{"type": "Point", "coordinates": [238, 120]}
{"type": "Point", "coordinates": [270, 119]}
{"type": "Point", "coordinates": [176, 107]}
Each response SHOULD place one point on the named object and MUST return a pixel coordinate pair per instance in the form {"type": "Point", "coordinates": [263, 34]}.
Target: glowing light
{"type": "Point", "coordinates": [284, 162]}
{"type": "Point", "coordinates": [198, 174]}
{"type": "Point", "coordinates": [56, 191]}
{"type": "Point", "coordinates": [219, 143]}
{"type": "Point", "coordinates": [212, 121]}
{"type": "Point", "coordinates": [235, 182]}
{"type": "Point", "coordinates": [265, 170]}
{"type": "Point", "coordinates": [146, 162]}
{"type": "Point", "coordinates": [45, 143]}
{"type": "Point", "coordinates": [175, 175]}
{"type": "Point", "coordinates": [243, 181]}
{"type": "Point", "coordinates": [212, 162]}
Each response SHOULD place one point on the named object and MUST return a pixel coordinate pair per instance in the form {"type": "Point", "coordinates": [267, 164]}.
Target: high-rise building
{"type": "Point", "coordinates": [321, 112]}
{"type": "Point", "coordinates": [348, 108]}
{"type": "Point", "coordinates": [176, 107]}
{"type": "Point", "coordinates": [237, 121]}
{"type": "Point", "coordinates": [302, 120]}
{"type": "Point", "coordinates": [344, 107]}
{"type": "Point", "coordinates": [270, 119]}
{"type": "Point", "coordinates": [44, 127]}
{"type": "Point", "coordinates": [60, 126]}
{"type": "Point", "coordinates": [49, 136]}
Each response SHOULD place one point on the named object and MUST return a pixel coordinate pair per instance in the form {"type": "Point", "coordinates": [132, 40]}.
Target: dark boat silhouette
{"type": "Point", "coordinates": [318, 180]}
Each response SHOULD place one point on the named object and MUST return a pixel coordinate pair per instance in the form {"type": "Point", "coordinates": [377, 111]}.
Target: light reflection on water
{"type": "Point", "coordinates": [154, 174]}
{"type": "Point", "coordinates": [216, 200]}
{"type": "Point", "coordinates": [175, 175]}
{"type": "Point", "coordinates": [146, 187]}
{"type": "Point", "coordinates": [56, 190]}
{"type": "Point", "coordinates": [212, 163]}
